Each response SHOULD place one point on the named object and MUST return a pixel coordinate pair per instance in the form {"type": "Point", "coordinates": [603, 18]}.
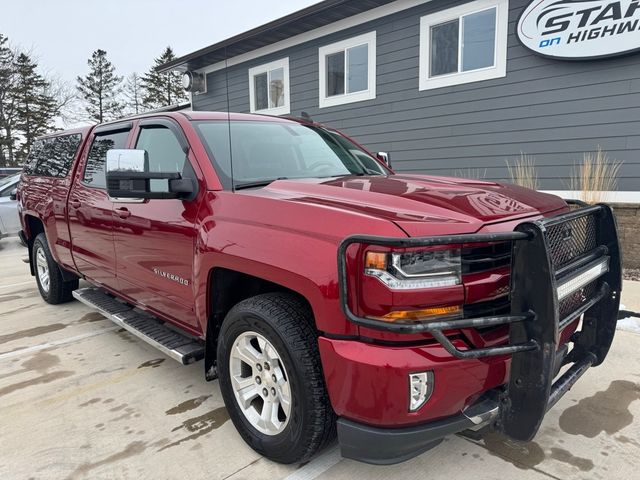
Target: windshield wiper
{"type": "Point", "coordinates": [367, 171]}
{"type": "Point", "coordinates": [256, 184]}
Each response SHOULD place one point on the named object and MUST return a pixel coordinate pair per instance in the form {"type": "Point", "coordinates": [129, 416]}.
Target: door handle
{"type": "Point", "coordinates": [75, 203]}
{"type": "Point", "coordinates": [123, 212]}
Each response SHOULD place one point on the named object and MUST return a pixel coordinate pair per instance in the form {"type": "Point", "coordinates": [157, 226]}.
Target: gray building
{"type": "Point", "coordinates": [446, 87]}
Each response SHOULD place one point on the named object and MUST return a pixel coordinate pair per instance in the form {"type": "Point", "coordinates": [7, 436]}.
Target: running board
{"type": "Point", "coordinates": [180, 347]}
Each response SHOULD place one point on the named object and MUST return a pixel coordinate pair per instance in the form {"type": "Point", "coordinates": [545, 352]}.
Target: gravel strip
{"type": "Point", "coordinates": [631, 274]}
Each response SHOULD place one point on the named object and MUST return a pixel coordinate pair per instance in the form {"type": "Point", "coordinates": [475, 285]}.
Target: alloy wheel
{"type": "Point", "coordinates": [42, 267]}
{"type": "Point", "coordinates": [260, 383]}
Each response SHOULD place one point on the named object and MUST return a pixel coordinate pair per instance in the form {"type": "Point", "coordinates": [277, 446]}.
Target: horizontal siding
{"type": "Point", "coordinates": [551, 110]}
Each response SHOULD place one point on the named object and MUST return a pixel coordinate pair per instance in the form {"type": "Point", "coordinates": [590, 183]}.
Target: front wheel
{"type": "Point", "coordinates": [271, 378]}
{"type": "Point", "coordinates": [53, 289]}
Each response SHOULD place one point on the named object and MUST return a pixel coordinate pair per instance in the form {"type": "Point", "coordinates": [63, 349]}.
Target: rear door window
{"type": "Point", "coordinates": [33, 157]}
{"type": "Point", "coordinates": [94, 172]}
{"type": "Point", "coordinates": [55, 155]}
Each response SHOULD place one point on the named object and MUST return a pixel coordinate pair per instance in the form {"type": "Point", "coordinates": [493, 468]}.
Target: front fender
{"type": "Point", "coordinates": [291, 244]}
{"type": "Point", "coordinates": [284, 263]}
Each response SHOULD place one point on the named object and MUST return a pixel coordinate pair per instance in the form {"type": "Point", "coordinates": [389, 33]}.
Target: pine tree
{"type": "Point", "coordinates": [132, 94]}
{"type": "Point", "coordinates": [163, 89]}
{"type": "Point", "coordinates": [35, 106]}
{"type": "Point", "coordinates": [100, 88]}
{"type": "Point", "coordinates": [7, 104]}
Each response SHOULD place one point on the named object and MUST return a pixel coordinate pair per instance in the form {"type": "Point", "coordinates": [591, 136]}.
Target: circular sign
{"type": "Point", "coordinates": [581, 29]}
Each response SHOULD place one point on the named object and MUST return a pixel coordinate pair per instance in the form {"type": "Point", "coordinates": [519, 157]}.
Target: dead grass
{"type": "Point", "coordinates": [523, 172]}
{"type": "Point", "coordinates": [595, 176]}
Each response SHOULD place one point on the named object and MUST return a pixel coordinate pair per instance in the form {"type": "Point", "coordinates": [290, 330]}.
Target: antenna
{"type": "Point", "coordinates": [226, 82]}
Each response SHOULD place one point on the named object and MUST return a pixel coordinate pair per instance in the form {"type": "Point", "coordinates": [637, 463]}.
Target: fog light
{"type": "Point", "coordinates": [420, 389]}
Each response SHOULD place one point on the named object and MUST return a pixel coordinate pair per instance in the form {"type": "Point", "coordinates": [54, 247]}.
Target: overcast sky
{"type": "Point", "coordinates": [63, 33]}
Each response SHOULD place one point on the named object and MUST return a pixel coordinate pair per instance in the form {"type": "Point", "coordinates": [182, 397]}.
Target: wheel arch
{"type": "Point", "coordinates": [33, 227]}
{"type": "Point", "coordinates": [227, 287]}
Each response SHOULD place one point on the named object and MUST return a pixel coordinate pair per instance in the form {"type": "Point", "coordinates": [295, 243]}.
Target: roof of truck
{"type": "Point", "coordinates": [200, 115]}
{"type": "Point", "coordinates": [81, 130]}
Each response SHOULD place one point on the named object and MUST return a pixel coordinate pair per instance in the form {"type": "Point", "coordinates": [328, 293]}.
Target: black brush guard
{"type": "Point", "coordinates": [546, 253]}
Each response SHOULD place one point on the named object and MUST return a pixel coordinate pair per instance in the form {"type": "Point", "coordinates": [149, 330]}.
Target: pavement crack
{"type": "Point", "coordinates": [243, 468]}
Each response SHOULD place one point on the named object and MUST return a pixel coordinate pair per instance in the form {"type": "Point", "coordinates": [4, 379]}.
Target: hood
{"type": "Point", "coordinates": [419, 204]}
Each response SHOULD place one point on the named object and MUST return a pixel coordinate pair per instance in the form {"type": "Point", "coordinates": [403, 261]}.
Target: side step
{"type": "Point", "coordinates": [144, 326]}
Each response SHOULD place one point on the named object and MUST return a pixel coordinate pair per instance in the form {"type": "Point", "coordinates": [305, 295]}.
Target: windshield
{"type": "Point", "coordinates": [267, 151]}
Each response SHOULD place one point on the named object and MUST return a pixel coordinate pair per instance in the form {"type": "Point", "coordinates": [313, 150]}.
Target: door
{"type": "Point", "coordinates": [155, 239]}
{"type": "Point", "coordinates": [90, 209]}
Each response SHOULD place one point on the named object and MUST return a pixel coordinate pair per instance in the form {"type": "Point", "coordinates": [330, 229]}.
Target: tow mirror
{"type": "Point", "coordinates": [14, 194]}
{"type": "Point", "coordinates": [384, 158]}
{"type": "Point", "coordinates": [128, 176]}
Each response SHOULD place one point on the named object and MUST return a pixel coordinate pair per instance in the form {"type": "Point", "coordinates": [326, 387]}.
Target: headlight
{"type": "Point", "coordinates": [415, 270]}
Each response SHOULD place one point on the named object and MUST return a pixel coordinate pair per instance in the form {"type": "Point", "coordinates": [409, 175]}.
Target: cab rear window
{"type": "Point", "coordinates": [53, 157]}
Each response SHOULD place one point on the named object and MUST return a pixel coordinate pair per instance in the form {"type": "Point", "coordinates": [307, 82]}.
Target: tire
{"type": "Point", "coordinates": [286, 323]}
{"type": "Point", "coordinates": [55, 290]}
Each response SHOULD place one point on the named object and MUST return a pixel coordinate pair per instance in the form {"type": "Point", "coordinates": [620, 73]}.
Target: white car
{"type": "Point", "coordinates": [9, 220]}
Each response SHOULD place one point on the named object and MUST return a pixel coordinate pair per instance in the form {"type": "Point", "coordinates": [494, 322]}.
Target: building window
{"type": "Point", "coordinates": [269, 88]}
{"type": "Point", "coordinates": [464, 44]}
{"type": "Point", "coordinates": [348, 71]}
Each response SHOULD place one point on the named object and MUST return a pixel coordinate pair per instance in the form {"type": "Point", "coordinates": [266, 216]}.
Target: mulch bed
{"type": "Point", "coordinates": [631, 274]}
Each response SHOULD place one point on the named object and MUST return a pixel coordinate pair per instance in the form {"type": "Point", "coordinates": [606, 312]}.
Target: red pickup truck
{"type": "Point", "coordinates": [325, 292]}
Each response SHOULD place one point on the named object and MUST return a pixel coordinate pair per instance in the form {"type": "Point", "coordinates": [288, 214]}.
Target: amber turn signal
{"type": "Point", "coordinates": [433, 313]}
{"type": "Point", "coordinates": [375, 261]}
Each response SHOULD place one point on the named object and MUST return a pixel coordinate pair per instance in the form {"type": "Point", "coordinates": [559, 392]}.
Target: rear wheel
{"type": "Point", "coordinates": [271, 378]}
{"type": "Point", "coordinates": [51, 285]}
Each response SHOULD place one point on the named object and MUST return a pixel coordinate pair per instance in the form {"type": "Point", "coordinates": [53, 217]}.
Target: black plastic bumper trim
{"type": "Point", "coordinates": [386, 446]}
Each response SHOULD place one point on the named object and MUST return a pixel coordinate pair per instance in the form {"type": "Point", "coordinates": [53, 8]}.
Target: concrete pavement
{"type": "Point", "coordinates": [79, 398]}
{"type": "Point", "coordinates": [631, 295]}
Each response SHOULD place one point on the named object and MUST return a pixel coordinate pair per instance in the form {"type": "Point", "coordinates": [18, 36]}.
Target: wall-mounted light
{"type": "Point", "coordinates": [194, 82]}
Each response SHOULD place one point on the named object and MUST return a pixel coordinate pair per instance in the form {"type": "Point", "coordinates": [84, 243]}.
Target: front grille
{"type": "Point", "coordinates": [490, 308]}
{"type": "Point", "coordinates": [486, 257]}
{"type": "Point", "coordinates": [566, 242]}
{"type": "Point", "coordinates": [571, 239]}
{"type": "Point", "coordinates": [574, 301]}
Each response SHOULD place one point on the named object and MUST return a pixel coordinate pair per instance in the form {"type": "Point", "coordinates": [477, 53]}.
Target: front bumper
{"type": "Point", "coordinates": [552, 285]}
{"type": "Point", "coordinates": [386, 446]}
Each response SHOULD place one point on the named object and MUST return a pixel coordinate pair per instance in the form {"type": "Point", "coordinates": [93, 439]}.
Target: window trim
{"type": "Point", "coordinates": [341, 46]}
{"type": "Point", "coordinates": [266, 68]}
{"type": "Point", "coordinates": [498, 70]}
{"type": "Point", "coordinates": [163, 123]}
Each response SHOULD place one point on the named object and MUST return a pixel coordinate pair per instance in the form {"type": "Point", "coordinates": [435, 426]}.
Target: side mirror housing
{"type": "Point", "coordinates": [14, 194]}
{"type": "Point", "coordinates": [384, 158]}
{"type": "Point", "coordinates": [128, 176]}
